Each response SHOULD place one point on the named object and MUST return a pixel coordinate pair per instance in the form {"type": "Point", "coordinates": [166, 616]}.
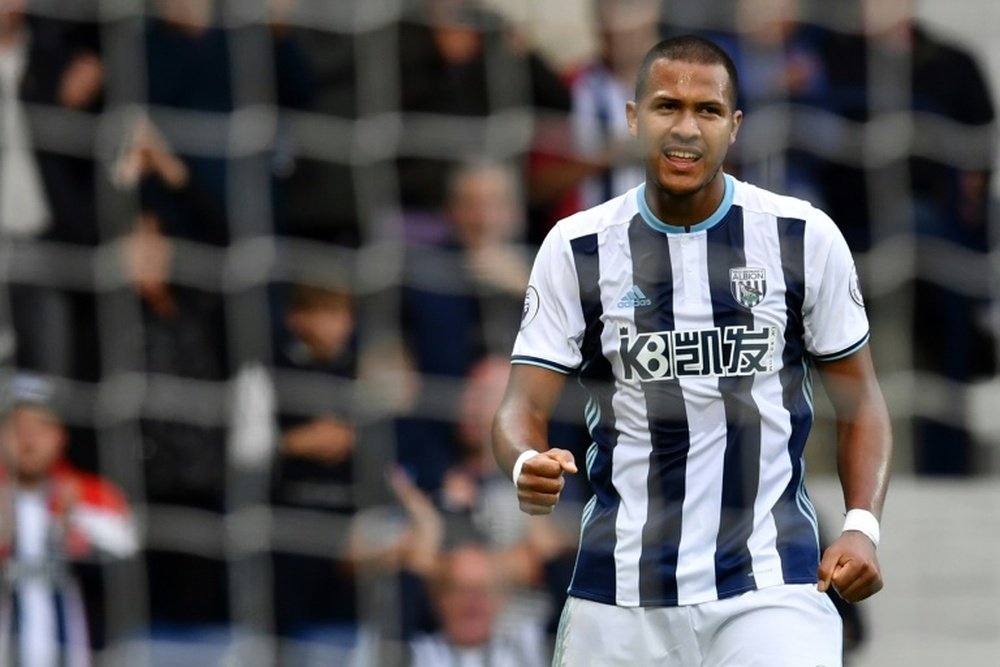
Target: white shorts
{"type": "Point", "coordinates": [781, 626]}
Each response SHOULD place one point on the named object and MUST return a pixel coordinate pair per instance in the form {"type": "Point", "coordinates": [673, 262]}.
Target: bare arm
{"type": "Point", "coordinates": [521, 424]}
{"type": "Point", "coordinates": [864, 439]}
{"type": "Point", "coordinates": [864, 450]}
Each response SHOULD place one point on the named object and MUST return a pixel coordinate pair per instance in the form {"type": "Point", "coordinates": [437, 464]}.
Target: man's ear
{"type": "Point", "coordinates": [737, 122]}
{"type": "Point", "coordinates": [631, 116]}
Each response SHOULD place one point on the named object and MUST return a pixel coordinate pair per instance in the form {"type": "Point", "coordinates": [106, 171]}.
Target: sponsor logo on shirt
{"type": "Point", "coordinates": [731, 351]}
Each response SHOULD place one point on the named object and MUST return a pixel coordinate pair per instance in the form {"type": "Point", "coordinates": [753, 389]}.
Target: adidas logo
{"type": "Point", "coordinates": [634, 298]}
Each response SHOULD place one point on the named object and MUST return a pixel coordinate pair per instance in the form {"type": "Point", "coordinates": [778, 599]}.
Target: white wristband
{"type": "Point", "coordinates": [863, 521]}
{"type": "Point", "coordinates": [519, 463]}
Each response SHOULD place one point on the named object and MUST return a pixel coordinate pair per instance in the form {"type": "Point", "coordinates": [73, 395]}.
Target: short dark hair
{"type": "Point", "coordinates": [689, 49]}
{"type": "Point", "coordinates": [307, 296]}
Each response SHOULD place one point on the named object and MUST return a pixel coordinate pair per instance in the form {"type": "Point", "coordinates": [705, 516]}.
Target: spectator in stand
{"type": "Point", "coordinates": [320, 196]}
{"type": "Point", "coordinates": [536, 553]}
{"type": "Point", "coordinates": [454, 588]}
{"type": "Point", "coordinates": [180, 334]}
{"type": "Point", "coordinates": [948, 171]}
{"type": "Point", "coordinates": [608, 164]}
{"type": "Point", "coordinates": [468, 592]}
{"type": "Point", "coordinates": [784, 60]}
{"type": "Point", "coordinates": [54, 516]}
{"type": "Point", "coordinates": [191, 67]}
{"type": "Point", "coordinates": [182, 327]}
{"type": "Point", "coordinates": [460, 62]}
{"type": "Point", "coordinates": [316, 365]}
{"type": "Point", "coordinates": [46, 195]}
{"type": "Point", "coordinates": [461, 300]}
{"type": "Point", "coordinates": [393, 548]}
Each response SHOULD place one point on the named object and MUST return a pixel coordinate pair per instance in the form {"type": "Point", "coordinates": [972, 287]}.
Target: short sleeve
{"type": "Point", "coordinates": [552, 319]}
{"type": "Point", "coordinates": [836, 324]}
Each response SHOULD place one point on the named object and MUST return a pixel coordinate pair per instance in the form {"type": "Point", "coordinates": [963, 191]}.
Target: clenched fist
{"type": "Point", "coordinates": [541, 480]}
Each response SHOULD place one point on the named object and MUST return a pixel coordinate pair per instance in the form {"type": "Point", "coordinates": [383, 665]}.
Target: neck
{"type": "Point", "coordinates": [10, 35]}
{"type": "Point", "coordinates": [688, 209]}
{"type": "Point", "coordinates": [897, 36]}
{"type": "Point", "coordinates": [323, 354]}
{"type": "Point", "coordinates": [28, 483]}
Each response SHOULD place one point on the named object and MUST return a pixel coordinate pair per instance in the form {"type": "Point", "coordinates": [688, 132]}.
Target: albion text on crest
{"type": "Point", "coordinates": [748, 285]}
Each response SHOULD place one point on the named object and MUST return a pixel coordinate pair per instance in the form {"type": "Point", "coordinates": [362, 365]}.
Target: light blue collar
{"type": "Point", "coordinates": [707, 223]}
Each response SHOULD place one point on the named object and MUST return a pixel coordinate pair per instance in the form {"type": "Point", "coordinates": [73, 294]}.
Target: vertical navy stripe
{"type": "Point", "coordinates": [62, 635]}
{"type": "Point", "coordinates": [15, 621]}
{"type": "Point", "coordinates": [594, 575]}
{"type": "Point", "coordinates": [796, 540]}
{"type": "Point", "coordinates": [741, 463]}
{"type": "Point", "coordinates": [670, 438]}
{"type": "Point", "coordinates": [8, 629]}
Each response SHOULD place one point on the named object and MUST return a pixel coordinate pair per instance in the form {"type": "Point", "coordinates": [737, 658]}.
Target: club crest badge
{"type": "Point", "coordinates": [748, 285]}
{"type": "Point", "coordinates": [855, 288]}
{"type": "Point", "coordinates": [530, 308]}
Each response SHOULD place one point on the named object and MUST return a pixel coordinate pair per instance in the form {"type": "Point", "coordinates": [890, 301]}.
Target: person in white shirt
{"type": "Point", "coordinates": [695, 308]}
{"type": "Point", "coordinates": [600, 91]}
{"type": "Point", "coordinates": [48, 69]}
{"type": "Point", "coordinates": [467, 594]}
{"type": "Point", "coordinates": [52, 515]}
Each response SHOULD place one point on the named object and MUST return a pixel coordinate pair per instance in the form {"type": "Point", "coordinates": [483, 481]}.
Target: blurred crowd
{"type": "Point", "coordinates": [260, 267]}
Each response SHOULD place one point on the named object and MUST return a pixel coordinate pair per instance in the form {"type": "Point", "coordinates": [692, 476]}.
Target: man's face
{"type": "Point", "coordinates": [326, 326]}
{"type": "Point", "coordinates": [626, 28]}
{"type": "Point", "coordinates": [192, 15]}
{"type": "Point", "coordinates": [483, 208]}
{"type": "Point", "coordinates": [685, 123]}
{"type": "Point", "coordinates": [33, 441]}
{"type": "Point", "coordinates": [882, 16]}
{"type": "Point", "coordinates": [11, 15]}
{"type": "Point", "coordinates": [468, 598]}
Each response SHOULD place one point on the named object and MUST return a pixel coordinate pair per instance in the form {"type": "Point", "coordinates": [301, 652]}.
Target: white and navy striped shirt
{"type": "Point", "coordinates": [695, 347]}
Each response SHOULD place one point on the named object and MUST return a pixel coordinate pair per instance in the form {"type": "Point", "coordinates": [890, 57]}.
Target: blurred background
{"type": "Point", "coordinates": [261, 266]}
